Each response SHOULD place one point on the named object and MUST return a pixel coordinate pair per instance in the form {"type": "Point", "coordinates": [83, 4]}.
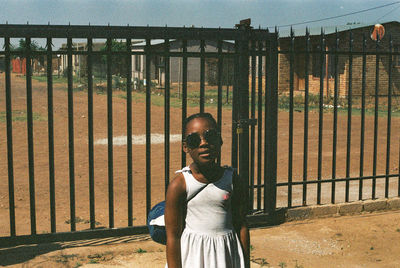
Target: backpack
{"type": "Point", "coordinates": [156, 222]}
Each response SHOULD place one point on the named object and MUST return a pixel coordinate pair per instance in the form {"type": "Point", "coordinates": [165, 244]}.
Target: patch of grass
{"type": "Point", "coordinates": [251, 247]}
{"type": "Point", "coordinates": [282, 264]}
{"type": "Point", "coordinates": [77, 220]}
{"type": "Point", "coordinates": [140, 250]}
{"type": "Point", "coordinates": [98, 257]}
{"type": "Point", "coordinates": [21, 116]}
{"type": "Point", "coordinates": [81, 220]}
{"type": "Point", "coordinates": [78, 264]}
{"type": "Point", "coordinates": [298, 265]}
{"type": "Point", "coordinates": [64, 258]}
{"type": "Point", "coordinates": [263, 262]}
{"type": "Point", "coordinates": [398, 230]}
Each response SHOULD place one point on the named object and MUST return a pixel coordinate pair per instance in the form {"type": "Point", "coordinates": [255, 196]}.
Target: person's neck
{"type": "Point", "coordinates": [210, 172]}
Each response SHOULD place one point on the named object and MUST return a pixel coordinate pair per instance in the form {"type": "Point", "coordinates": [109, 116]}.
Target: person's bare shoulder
{"type": "Point", "coordinates": [177, 187]}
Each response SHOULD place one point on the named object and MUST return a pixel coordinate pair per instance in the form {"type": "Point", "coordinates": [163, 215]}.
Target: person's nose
{"type": "Point", "coordinates": [203, 141]}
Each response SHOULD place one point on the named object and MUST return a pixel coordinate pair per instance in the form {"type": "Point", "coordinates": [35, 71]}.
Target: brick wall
{"type": "Point", "coordinates": [392, 29]}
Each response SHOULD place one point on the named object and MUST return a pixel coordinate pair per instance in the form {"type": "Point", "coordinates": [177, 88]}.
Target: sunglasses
{"type": "Point", "coordinates": [212, 136]}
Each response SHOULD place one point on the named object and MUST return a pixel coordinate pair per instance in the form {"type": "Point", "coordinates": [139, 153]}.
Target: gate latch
{"type": "Point", "coordinates": [245, 123]}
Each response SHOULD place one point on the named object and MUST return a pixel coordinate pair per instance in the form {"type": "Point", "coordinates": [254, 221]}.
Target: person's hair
{"type": "Point", "coordinates": [207, 116]}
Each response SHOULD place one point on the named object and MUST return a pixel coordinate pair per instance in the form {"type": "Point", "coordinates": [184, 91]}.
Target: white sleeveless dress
{"type": "Point", "coordinates": [209, 239]}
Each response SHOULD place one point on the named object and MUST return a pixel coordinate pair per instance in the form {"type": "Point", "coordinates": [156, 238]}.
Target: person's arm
{"type": "Point", "coordinates": [239, 210]}
{"type": "Point", "coordinates": [174, 213]}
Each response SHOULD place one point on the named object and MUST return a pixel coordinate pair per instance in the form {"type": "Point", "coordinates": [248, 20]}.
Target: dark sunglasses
{"type": "Point", "coordinates": [212, 136]}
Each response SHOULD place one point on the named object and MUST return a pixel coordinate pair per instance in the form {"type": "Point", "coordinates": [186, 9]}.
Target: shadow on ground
{"type": "Point", "coordinates": [23, 253]}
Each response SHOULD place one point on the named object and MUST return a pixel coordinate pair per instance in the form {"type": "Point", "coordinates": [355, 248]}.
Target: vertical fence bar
{"type": "Point", "coordinates": [260, 122]}
{"type": "Point", "coordinates": [243, 100]}
{"type": "Point", "coordinates": [220, 82]}
{"type": "Point", "coordinates": [335, 118]}
{"type": "Point", "coordinates": [321, 113]}
{"type": "Point", "coordinates": [389, 118]}
{"type": "Point", "coordinates": [129, 129]}
{"type": "Point", "coordinates": [71, 136]}
{"type": "Point", "coordinates": [234, 149]}
{"type": "Point", "coordinates": [266, 114]}
{"type": "Point", "coordinates": [202, 75]}
{"type": "Point", "coordinates": [167, 113]}
{"type": "Point", "coordinates": [10, 157]}
{"type": "Point", "coordinates": [271, 127]}
{"type": "Point", "coordinates": [349, 113]}
{"type": "Point", "coordinates": [375, 158]}
{"type": "Point", "coordinates": [90, 133]}
{"type": "Point", "coordinates": [110, 136]}
{"type": "Point", "coordinates": [184, 93]}
{"type": "Point", "coordinates": [252, 126]}
{"type": "Point", "coordinates": [362, 138]}
{"type": "Point", "coordinates": [30, 135]}
{"type": "Point", "coordinates": [291, 93]}
{"type": "Point", "coordinates": [148, 126]}
{"type": "Point", "coordinates": [50, 126]}
{"type": "Point", "coordinates": [306, 91]}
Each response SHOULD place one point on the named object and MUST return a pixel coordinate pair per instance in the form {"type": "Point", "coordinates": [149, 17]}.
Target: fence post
{"type": "Point", "coordinates": [242, 124]}
{"type": "Point", "coordinates": [271, 126]}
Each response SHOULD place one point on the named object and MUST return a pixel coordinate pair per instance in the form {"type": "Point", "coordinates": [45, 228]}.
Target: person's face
{"type": "Point", "coordinates": [202, 132]}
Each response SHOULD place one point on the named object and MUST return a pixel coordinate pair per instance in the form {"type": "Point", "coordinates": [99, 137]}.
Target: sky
{"type": "Point", "coordinates": [200, 13]}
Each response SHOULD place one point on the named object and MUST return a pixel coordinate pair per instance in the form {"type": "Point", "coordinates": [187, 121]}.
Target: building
{"type": "Point", "coordinates": [392, 29]}
{"type": "Point", "coordinates": [157, 63]}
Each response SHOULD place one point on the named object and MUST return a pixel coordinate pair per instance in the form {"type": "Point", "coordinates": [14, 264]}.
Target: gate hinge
{"type": "Point", "coordinates": [240, 124]}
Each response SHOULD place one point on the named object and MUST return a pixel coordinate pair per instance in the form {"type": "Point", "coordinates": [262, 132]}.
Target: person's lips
{"type": "Point", "coordinates": [205, 153]}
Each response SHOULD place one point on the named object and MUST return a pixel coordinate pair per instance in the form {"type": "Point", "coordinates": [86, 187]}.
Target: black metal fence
{"type": "Point", "coordinates": [293, 99]}
{"type": "Point", "coordinates": [229, 45]}
{"type": "Point", "coordinates": [339, 103]}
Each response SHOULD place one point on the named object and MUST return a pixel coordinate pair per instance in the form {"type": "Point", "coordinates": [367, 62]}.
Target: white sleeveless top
{"type": "Point", "coordinates": [209, 239]}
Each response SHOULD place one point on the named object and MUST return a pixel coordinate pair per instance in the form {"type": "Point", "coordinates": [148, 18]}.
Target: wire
{"type": "Point", "coordinates": [388, 13]}
{"type": "Point", "coordinates": [339, 16]}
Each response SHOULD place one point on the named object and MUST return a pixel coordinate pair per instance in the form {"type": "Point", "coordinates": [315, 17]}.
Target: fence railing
{"type": "Point", "coordinates": [78, 172]}
{"type": "Point", "coordinates": [307, 120]}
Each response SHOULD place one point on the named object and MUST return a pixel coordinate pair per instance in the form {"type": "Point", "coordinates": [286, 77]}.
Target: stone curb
{"type": "Point", "coordinates": [331, 210]}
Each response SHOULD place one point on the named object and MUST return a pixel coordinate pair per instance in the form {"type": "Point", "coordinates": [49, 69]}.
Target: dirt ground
{"type": "Point", "coordinates": [365, 240]}
{"type": "Point", "coordinates": [81, 168]}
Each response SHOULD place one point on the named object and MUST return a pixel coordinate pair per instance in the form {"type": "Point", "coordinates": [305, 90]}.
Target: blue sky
{"type": "Point", "coordinates": [206, 13]}
{"type": "Point", "coordinates": [200, 13]}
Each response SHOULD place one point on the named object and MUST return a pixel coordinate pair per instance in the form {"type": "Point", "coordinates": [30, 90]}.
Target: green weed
{"type": "Point", "coordinates": [298, 265]}
{"type": "Point", "coordinates": [140, 250]}
{"type": "Point", "coordinates": [21, 116]}
{"type": "Point", "coordinates": [64, 258]}
{"type": "Point", "coordinates": [282, 264]}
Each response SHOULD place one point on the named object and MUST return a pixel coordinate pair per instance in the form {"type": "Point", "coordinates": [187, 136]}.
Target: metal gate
{"type": "Point", "coordinates": [145, 54]}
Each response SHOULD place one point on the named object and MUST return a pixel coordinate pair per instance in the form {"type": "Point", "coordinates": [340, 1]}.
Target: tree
{"type": "Point", "coordinates": [23, 47]}
{"type": "Point", "coordinates": [118, 61]}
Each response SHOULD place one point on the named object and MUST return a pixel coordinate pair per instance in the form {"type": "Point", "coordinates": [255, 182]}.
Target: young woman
{"type": "Point", "coordinates": [205, 213]}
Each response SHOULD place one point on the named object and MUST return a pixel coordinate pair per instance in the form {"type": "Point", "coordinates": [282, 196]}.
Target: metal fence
{"type": "Point", "coordinates": [229, 45]}
{"type": "Point", "coordinates": [347, 135]}
{"type": "Point", "coordinates": [276, 125]}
